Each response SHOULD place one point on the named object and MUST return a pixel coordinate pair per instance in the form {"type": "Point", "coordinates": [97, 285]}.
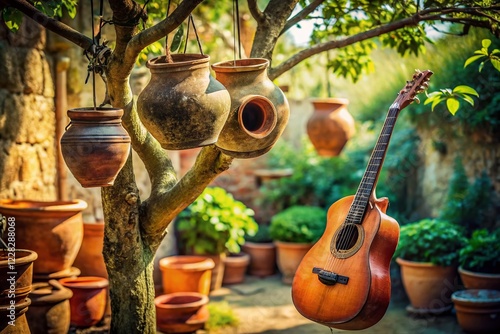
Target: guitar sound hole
{"type": "Point", "coordinates": [347, 240]}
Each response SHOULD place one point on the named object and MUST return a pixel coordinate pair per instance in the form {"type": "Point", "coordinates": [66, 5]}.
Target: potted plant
{"type": "Point", "coordinates": [428, 255]}
{"type": "Point", "coordinates": [214, 224]}
{"type": "Point", "coordinates": [294, 231]}
{"type": "Point", "coordinates": [262, 253]}
{"type": "Point", "coordinates": [480, 260]}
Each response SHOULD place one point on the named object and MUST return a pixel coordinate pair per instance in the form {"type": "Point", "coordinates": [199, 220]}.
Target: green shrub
{"type": "Point", "coordinates": [431, 240]}
{"type": "Point", "coordinates": [221, 316]}
{"type": "Point", "coordinates": [301, 224]}
{"type": "Point", "coordinates": [262, 235]}
{"type": "Point", "coordinates": [482, 252]}
{"type": "Point", "coordinates": [215, 222]}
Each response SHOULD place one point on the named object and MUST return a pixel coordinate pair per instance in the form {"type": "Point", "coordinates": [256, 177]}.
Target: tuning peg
{"type": "Point", "coordinates": [416, 100]}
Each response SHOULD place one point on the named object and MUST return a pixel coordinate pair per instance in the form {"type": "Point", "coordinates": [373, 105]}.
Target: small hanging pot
{"type": "Point", "coordinates": [183, 106]}
{"type": "Point", "coordinates": [259, 109]}
{"type": "Point", "coordinates": [95, 146]}
{"type": "Point", "coordinates": [330, 126]}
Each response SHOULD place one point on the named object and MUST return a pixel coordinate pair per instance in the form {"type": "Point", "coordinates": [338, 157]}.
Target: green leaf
{"type": "Point", "coordinates": [453, 104]}
{"type": "Point", "coordinates": [495, 63]}
{"type": "Point", "coordinates": [468, 99]}
{"type": "Point", "coordinates": [486, 43]}
{"type": "Point", "coordinates": [472, 59]}
{"type": "Point", "coordinates": [436, 102]}
{"type": "Point", "coordinates": [176, 41]}
{"type": "Point", "coordinates": [465, 90]}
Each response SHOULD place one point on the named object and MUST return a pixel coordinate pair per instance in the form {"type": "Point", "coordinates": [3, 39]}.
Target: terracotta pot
{"type": "Point", "coordinates": [183, 106]}
{"type": "Point", "coordinates": [259, 109]}
{"type": "Point", "coordinates": [235, 267]}
{"type": "Point", "coordinates": [262, 258]}
{"type": "Point", "coordinates": [90, 259]}
{"type": "Point", "coordinates": [181, 312]}
{"type": "Point", "coordinates": [475, 280]}
{"type": "Point", "coordinates": [429, 287]}
{"type": "Point", "coordinates": [49, 311]}
{"type": "Point", "coordinates": [72, 272]}
{"type": "Point", "coordinates": [478, 310]}
{"type": "Point", "coordinates": [185, 273]}
{"type": "Point", "coordinates": [54, 230]}
{"type": "Point", "coordinates": [289, 255]}
{"type": "Point", "coordinates": [218, 271]}
{"type": "Point", "coordinates": [89, 299]}
{"type": "Point", "coordinates": [13, 318]}
{"type": "Point", "coordinates": [330, 126]}
{"type": "Point", "coordinates": [96, 146]}
{"type": "Point", "coordinates": [16, 275]}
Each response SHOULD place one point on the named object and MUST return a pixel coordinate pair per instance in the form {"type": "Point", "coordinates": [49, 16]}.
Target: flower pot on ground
{"type": "Point", "coordinates": [13, 318]}
{"type": "Point", "coordinates": [90, 260]}
{"type": "Point", "coordinates": [294, 231]}
{"type": "Point", "coordinates": [235, 267]}
{"type": "Point", "coordinates": [19, 261]}
{"type": "Point", "coordinates": [54, 230]}
{"type": "Point", "coordinates": [480, 261]}
{"type": "Point", "coordinates": [215, 223]}
{"type": "Point", "coordinates": [262, 252]}
{"type": "Point", "coordinates": [186, 273]}
{"type": "Point", "coordinates": [49, 311]}
{"type": "Point", "coordinates": [88, 302]}
{"type": "Point", "coordinates": [428, 256]}
{"type": "Point", "coordinates": [478, 310]}
{"type": "Point", "coordinates": [181, 312]}
{"type": "Point", "coordinates": [95, 146]}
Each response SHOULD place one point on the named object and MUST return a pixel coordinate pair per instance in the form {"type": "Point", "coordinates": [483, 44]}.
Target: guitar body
{"type": "Point", "coordinates": [365, 261]}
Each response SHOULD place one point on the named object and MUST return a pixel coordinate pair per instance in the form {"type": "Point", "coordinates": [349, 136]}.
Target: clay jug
{"type": "Point", "coordinates": [95, 146]}
{"type": "Point", "coordinates": [330, 126]}
{"type": "Point", "coordinates": [259, 109]}
{"type": "Point", "coordinates": [183, 106]}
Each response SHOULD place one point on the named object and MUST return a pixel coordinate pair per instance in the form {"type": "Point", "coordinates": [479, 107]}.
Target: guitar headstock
{"type": "Point", "coordinates": [418, 84]}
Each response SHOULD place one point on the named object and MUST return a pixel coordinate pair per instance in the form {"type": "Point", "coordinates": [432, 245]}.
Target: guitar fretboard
{"type": "Point", "coordinates": [370, 177]}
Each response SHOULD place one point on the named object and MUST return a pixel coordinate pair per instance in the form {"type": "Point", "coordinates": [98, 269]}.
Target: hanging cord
{"type": "Point", "coordinates": [236, 30]}
{"type": "Point", "coordinates": [191, 20]}
{"type": "Point", "coordinates": [168, 56]}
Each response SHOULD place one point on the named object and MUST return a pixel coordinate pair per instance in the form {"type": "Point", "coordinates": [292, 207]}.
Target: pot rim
{"type": "Point", "coordinates": [293, 244]}
{"type": "Point", "coordinates": [30, 257]}
{"type": "Point", "coordinates": [409, 263]}
{"type": "Point", "coordinates": [241, 65]}
{"type": "Point", "coordinates": [84, 282]}
{"type": "Point", "coordinates": [42, 206]}
{"type": "Point", "coordinates": [470, 296]}
{"type": "Point", "coordinates": [160, 300]}
{"type": "Point", "coordinates": [185, 61]}
{"type": "Point", "coordinates": [268, 111]}
{"type": "Point", "coordinates": [254, 244]}
{"type": "Point", "coordinates": [187, 262]}
{"type": "Point", "coordinates": [329, 100]}
{"type": "Point", "coordinates": [477, 273]}
{"type": "Point", "coordinates": [50, 292]}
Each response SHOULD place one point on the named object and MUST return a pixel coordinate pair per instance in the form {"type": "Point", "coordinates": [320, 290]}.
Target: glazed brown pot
{"type": "Point", "coordinates": [259, 109]}
{"type": "Point", "coordinates": [330, 126]}
{"type": "Point", "coordinates": [181, 312]}
{"type": "Point", "coordinates": [88, 303]}
{"type": "Point", "coordinates": [90, 260]}
{"type": "Point", "coordinates": [262, 258]}
{"type": "Point", "coordinates": [475, 280]}
{"type": "Point", "coordinates": [428, 286]}
{"type": "Point", "coordinates": [16, 275]}
{"type": "Point", "coordinates": [95, 146]}
{"type": "Point", "coordinates": [13, 318]}
{"type": "Point", "coordinates": [235, 267]}
{"type": "Point", "coordinates": [478, 310]}
{"type": "Point", "coordinates": [289, 255]}
{"type": "Point", "coordinates": [183, 106]}
{"type": "Point", "coordinates": [49, 311]}
{"type": "Point", "coordinates": [185, 273]}
{"type": "Point", "coordinates": [54, 230]}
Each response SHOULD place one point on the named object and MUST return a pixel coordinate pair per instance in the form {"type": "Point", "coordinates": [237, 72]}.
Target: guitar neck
{"type": "Point", "coordinates": [372, 172]}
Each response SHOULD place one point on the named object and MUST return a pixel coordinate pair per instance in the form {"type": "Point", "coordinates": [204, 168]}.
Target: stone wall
{"type": "Point", "coordinates": [27, 120]}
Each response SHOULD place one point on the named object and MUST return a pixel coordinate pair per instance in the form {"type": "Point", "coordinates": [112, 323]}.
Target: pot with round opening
{"type": "Point", "coordinates": [183, 106]}
{"type": "Point", "coordinates": [259, 109]}
{"type": "Point", "coordinates": [181, 312]}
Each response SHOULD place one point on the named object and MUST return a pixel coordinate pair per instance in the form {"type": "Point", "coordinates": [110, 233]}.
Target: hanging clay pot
{"type": "Point", "coordinates": [235, 267]}
{"type": "Point", "coordinates": [181, 312]}
{"type": "Point", "coordinates": [330, 126]}
{"type": "Point", "coordinates": [183, 106]}
{"type": "Point", "coordinates": [259, 109]}
{"type": "Point", "coordinates": [88, 303]}
{"type": "Point", "coordinates": [95, 146]}
{"type": "Point", "coordinates": [54, 230]}
{"type": "Point", "coordinates": [90, 260]}
{"type": "Point", "coordinates": [185, 273]}
{"type": "Point", "coordinates": [13, 318]}
{"type": "Point", "coordinates": [16, 275]}
{"type": "Point", "coordinates": [49, 311]}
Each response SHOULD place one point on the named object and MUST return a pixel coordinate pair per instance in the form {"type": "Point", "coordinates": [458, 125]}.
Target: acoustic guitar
{"type": "Point", "coordinates": [343, 281]}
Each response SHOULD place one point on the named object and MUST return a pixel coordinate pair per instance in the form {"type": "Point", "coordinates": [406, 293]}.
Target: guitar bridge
{"type": "Point", "coordinates": [328, 277]}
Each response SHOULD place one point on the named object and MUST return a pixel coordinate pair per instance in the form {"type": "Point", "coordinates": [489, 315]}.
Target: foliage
{"type": "Point", "coordinates": [465, 205]}
{"type": "Point", "coordinates": [300, 224]}
{"type": "Point", "coordinates": [215, 222]}
{"type": "Point", "coordinates": [452, 97]}
{"type": "Point", "coordinates": [430, 240]}
{"type": "Point", "coordinates": [221, 316]}
{"type": "Point", "coordinates": [484, 53]}
{"type": "Point", "coordinates": [262, 235]}
{"type": "Point", "coordinates": [482, 252]}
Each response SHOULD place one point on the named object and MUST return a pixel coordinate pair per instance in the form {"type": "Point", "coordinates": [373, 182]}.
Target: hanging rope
{"type": "Point", "coordinates": [191, 20]}
{"type": "Point", "coordinates": [236, 30]}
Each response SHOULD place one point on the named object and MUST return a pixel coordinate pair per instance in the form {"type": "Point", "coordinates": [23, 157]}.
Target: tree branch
{"type": "Point", "coordinates": [301, 15]}
{"type": "Point", "coordinates": [49, 23]}
{"type": "Point", "coordinates": [255, 11]}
